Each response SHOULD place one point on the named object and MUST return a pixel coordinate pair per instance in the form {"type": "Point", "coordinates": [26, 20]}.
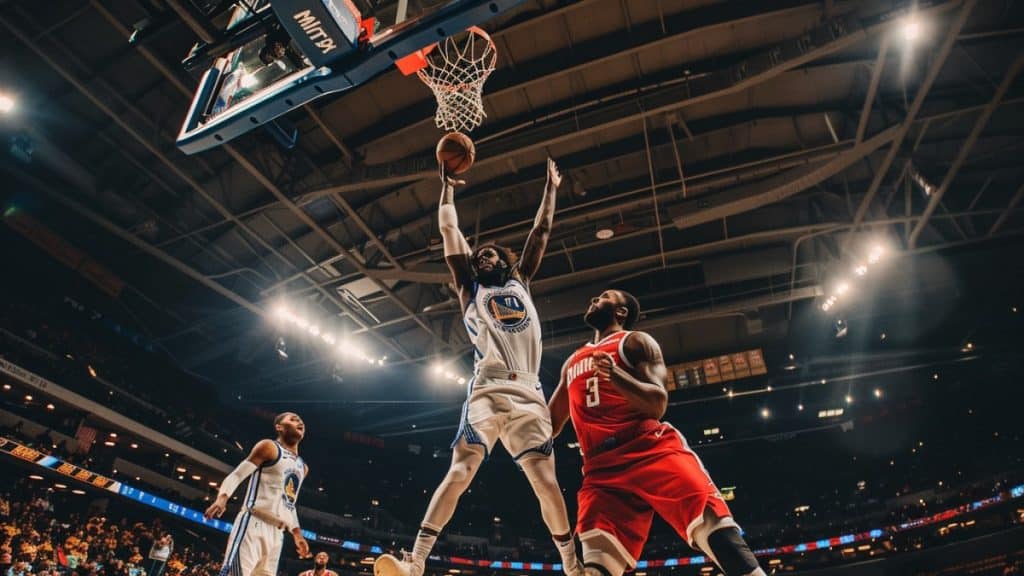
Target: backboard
{"type": "Point", "coordinates": [286, 53]}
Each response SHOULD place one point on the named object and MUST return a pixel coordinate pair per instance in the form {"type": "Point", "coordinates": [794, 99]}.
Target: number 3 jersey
{"type": "Point", "coordinates": [598, 410]}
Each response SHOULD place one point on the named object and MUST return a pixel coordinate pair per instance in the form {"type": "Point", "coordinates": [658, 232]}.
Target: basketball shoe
{"type": "Point", "coordinates": [388, 565]}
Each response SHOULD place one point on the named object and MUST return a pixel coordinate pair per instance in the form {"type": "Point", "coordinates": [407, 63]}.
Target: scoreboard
{"type": "Point", "coordinates": [718, 369]}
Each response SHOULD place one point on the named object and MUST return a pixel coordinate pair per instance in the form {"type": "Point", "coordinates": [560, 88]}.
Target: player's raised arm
{"type": "Point", "coordinates": [537, 241]}
{"type": "Point", "coordinates": [263, 451]}
{"type": "Point", "coordinates": [558, 405]}
{"type": "Point", "coordinates": [643, 384]}
{"type": "Point", "coordinates": [456, 249]}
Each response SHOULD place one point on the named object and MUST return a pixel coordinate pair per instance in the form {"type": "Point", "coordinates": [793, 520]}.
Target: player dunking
{"type": "Point", "coordinates": [633, 464]}
{"type": "Point", "coordinates": [505, 400]}
{"type": "Point", "coordinates": [254, 546]}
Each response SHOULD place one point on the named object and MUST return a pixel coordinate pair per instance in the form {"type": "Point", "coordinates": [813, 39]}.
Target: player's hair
{"type": "Point", "coordinates": [633, 307]}
{"type": "Point", "coordinates": [280, 417]}
{"type": "Point", "coordinates": [508, 256]}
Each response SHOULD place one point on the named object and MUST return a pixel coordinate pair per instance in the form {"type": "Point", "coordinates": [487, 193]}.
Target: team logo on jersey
{"type": "Point", "coordinates": [291, 488]}
{"type": "Point", "coordinates": [509, 311]}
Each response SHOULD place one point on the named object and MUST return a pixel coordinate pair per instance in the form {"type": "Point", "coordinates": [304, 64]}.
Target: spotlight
{"type": "Point", "coordinates": [438, 368]}
{"type": "Point", "coordinates": [800, 407]}
{"type": "Point", "coordinates": [911, 29]}
{"type": "Point", "coordinates": [878, 392]}
{"type": "Point", "coordinates": [461, 380]}
{"type": "Point", "coordinates": [860, 270]}
{"type": "Point", "coordinates": [841, 329]}
{"type": "Point", "coordinates": [842, 288]}
{"type": "Point", "coordinates": [281, 312]}
{"type": "Point", "coordinates": [7, 104]}
{"type": "Point", "coordinates": [765, 413]}
{"type": "Point", "coordinates": [876, 254]}
{"type": "Point", "coordinates": [849, 399]}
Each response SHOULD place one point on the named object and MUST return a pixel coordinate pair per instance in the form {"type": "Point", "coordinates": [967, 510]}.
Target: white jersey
{"type": "Point", "coordinates": [502, 324]}
{"type": "Point", "coordinates": [274, 487]}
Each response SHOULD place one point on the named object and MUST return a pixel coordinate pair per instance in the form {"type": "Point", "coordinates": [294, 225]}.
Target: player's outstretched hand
{"type": "Point", "coordinates": [554, 176]}
{"type": "Point", "coordinates": [603, 364]}
{"type": "Point", "coordinates": [446, 180]}
{"type": "Point", "coordinates": [301, 546]}
{"type": "Point", "coordinates": [216, 509]}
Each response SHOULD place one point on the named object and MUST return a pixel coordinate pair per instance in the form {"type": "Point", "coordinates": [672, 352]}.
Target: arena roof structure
{"type": "Point", "coordinates": [727, 162]}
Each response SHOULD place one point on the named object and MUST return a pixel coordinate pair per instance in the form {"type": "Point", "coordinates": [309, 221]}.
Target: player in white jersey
{"type": "Point", "coordinates": [505, 401]}
{"type": "Point", "coordinates": [275, 471]}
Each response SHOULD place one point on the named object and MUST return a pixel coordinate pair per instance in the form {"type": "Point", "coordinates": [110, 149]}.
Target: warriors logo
{"type": "Point", "coordinates": [508, 310]}
{"type": "Point", "coordinates": [291, 489]}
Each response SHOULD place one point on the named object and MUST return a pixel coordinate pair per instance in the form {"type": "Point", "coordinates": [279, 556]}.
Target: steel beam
{"type": "Point", "coordinates": [915, 107]}
{"type": "Point", "coordinates": [1005, 215]}
{"type": "Point", "coordinates": [965, 150]}
{"type": "Point", "coordinates": [876, 77]}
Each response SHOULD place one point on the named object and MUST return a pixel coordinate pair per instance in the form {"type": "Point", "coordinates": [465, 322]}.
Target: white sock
{"type": "Point", "coordinates": [424, 544]}
{"type": "Point", "coordinates": [567, 550]}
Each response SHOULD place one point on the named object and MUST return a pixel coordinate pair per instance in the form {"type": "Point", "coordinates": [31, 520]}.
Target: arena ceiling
{"type": "Point", "coordinates": [740, 152]}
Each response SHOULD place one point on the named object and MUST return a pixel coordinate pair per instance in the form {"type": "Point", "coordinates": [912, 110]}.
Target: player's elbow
{"type": "Point", "coordinates": [658, 403]}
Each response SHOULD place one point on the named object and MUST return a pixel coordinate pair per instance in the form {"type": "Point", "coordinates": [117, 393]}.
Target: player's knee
{"type": "Point", "coordinates": [732, 552]}
{"type": "Point", "coordinates": [460, 473]}
{"type": "Point", "coordinates": [598, 562]}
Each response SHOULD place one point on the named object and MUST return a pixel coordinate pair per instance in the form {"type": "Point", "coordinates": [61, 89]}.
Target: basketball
{"type": "Point", "coordinates": [456, 151]}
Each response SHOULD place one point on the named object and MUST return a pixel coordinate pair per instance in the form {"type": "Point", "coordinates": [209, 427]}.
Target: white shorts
{"type": "Point", "coordinates": [509, 407]}
{"type": "Point", "coordinates": [254, 548]}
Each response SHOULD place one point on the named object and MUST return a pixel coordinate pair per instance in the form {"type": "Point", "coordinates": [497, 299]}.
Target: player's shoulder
{"type": "Point", "coordinates": [638, 344]}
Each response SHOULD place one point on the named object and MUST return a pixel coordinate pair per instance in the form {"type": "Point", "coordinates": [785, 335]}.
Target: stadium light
{"type": "Point", "coordinates": [7, 103]}
{"type": "Point", "coordinates": [878, 392]}
{"type": "Point", "coordinates": [765, 413]}
{"type": "Point", "coordinates": [438, 368]}
{"type": "Point", "coordinates": [911, 29]}
{"type": "Point", "coordinates": [849, 399]}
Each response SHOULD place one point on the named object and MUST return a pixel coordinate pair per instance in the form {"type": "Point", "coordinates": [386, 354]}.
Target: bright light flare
{"type": "Point", "coordinates": [911, 29]}
{"type": "Point", "coordinates": [7, 103]}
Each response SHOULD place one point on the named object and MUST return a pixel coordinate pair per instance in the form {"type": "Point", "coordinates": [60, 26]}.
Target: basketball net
{"type": "Point", "coordinates": [455, 72]}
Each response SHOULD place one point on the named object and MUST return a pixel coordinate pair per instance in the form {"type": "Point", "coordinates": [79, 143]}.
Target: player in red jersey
{"type": "Point", "coordinates": [633, 464]}
{"type": "Point", "coordinates": [320, 566]}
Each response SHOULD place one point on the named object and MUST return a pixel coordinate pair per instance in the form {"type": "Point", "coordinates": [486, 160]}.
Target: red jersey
{"type": "Point", "coordinates": [598, 410]}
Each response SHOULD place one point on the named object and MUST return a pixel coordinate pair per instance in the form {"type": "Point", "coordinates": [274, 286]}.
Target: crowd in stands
{"type": "Point", "coordinates": [45, 532]}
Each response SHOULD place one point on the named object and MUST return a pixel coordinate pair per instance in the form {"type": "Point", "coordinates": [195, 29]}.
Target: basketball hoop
{"type": "Point", "coordinates": [455, 71]}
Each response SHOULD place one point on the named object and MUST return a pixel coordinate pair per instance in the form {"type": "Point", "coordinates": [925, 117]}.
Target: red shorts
{"type": "Point", "coordinates": [655, 472]}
